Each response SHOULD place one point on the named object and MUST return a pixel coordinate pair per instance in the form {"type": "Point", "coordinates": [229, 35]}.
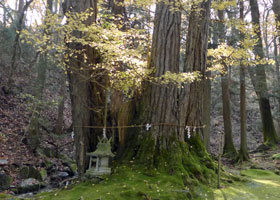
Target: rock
{"type": "Point", "coordinates": [3, 162]}
{"type": "Point", "coordinates": [30, 172]}
{"type": "Point", "coordinates": [68, 162]}
{"type": "Point", "coordinates": [58, 177]}
{"type": "Point", "coordinates": [62, 174]}
{"type": "Point", "coordinates": [51, 153]}
{"type": "Point", "coordinates": [29, 185]}
{"type": "Point", "coordinates": [5, 181]}
{"type": "Point", "coordinates": [26, 195]}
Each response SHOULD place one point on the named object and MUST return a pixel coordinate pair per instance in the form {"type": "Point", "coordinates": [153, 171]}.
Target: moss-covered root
{"type": "Point", "coordinates": [242, 157]}
{"type": "Point", "coordinates": [188, 160]}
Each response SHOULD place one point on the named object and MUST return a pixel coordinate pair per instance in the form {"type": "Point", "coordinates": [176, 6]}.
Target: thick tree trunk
{"type": "Point", "coordinates": [243, 153]}
{"type": "Point", "coordinates": [164, 106]}
{"type": "Point", "coordinates": [87, 95]}
{"type": "Point", "coordinates": [196, 56]}
{"type": "Point", "coordinates": [269, 133]}
{"type": "Point", "coordinates": [159, 104]}
{"type": "Point", "coordinates": [276, 10]}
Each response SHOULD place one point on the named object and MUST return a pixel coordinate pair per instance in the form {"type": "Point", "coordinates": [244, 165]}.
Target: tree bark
{"type": "Point", "coordinates": [196, 56]}
{"type": "Point", "coordinates": [159, 103]}
{"type": "Point", "coordinates": [277, 65]}
{"type": "Point", "coordinates": [207, 111]}
{"type": "Point", "coordinates": [59, 122]}
{"type": "Point", "coordinates": [229, 148]}
{"type": "Point", "coordinates": [269, 133]}
{"type": "Point", "coordinates": [243, 153]}
{"type": "Point", "coordinates": [87, 95]}
{"type": "Point", "coordinates": [276, 10]}
{"type": "Point", "coordinates": [4, 18]}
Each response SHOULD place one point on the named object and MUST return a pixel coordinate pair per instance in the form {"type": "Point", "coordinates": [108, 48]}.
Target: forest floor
{"type": "Point", "coordinates": [262, 180]}
{"type": "Point", "coordinates": [258, 179]}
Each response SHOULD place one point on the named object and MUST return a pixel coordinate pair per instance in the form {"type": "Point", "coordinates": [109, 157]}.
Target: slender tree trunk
{"type": "Point", "coordinates": [270, 136]}
{"type": "Point", "coordinates": [119, 109]}
{"type": "Point", "coordinates": [50, 2]}
{"type": "Point", "coordinates": [229, 148]}
{"type": "Point", "coordinates": [59, 122]}
{"type": "Point", "coordinates": [33, 135]}
{"type": "Point", "coordinates": [207, 111]}
{"type": "Point", "coordinates": [276, 10]}
{"type": "Point", "coordinates": [16, 45]}
{"type": "Point", "coordinates": [265, 32]}
{"type": "Point", "coordinates": [277, 65]}
{"type": "Point", "coordinates": [4, 17]}
{"type": "Point", "coordinates": [55, 10]}
{"type": "Point", "coordinates": [243, 153]}
{"type": "Point", "coordinates": [87, 95]}
{"type": "Point", "coordinates": [19, 10]}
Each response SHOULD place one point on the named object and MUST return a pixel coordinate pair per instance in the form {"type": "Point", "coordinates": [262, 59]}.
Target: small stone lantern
{"type": "Point", "coordinates": [102, 154]}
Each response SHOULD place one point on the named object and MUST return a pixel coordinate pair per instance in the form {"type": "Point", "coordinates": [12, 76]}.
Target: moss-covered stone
{"type": "Point", "coordinates": [5, 181]}
{"type": "Point", "coordinates": [30, 172]}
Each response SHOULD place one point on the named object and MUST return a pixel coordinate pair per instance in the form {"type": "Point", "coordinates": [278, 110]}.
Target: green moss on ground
{"type": "Point", "coordinates": [136, 183]}
{"type": "Point", "coordinates": [132, 182]}
{"type": "Point", "coordinates": [262, 184]}
{"type": "Point", "coordinates": [180, 173]}
{"type": "Point", "coordinates": [5, 196]}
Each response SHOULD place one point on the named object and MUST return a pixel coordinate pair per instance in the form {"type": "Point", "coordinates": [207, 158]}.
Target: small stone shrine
{"type": "Point", "coordinates": [101, 157]}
